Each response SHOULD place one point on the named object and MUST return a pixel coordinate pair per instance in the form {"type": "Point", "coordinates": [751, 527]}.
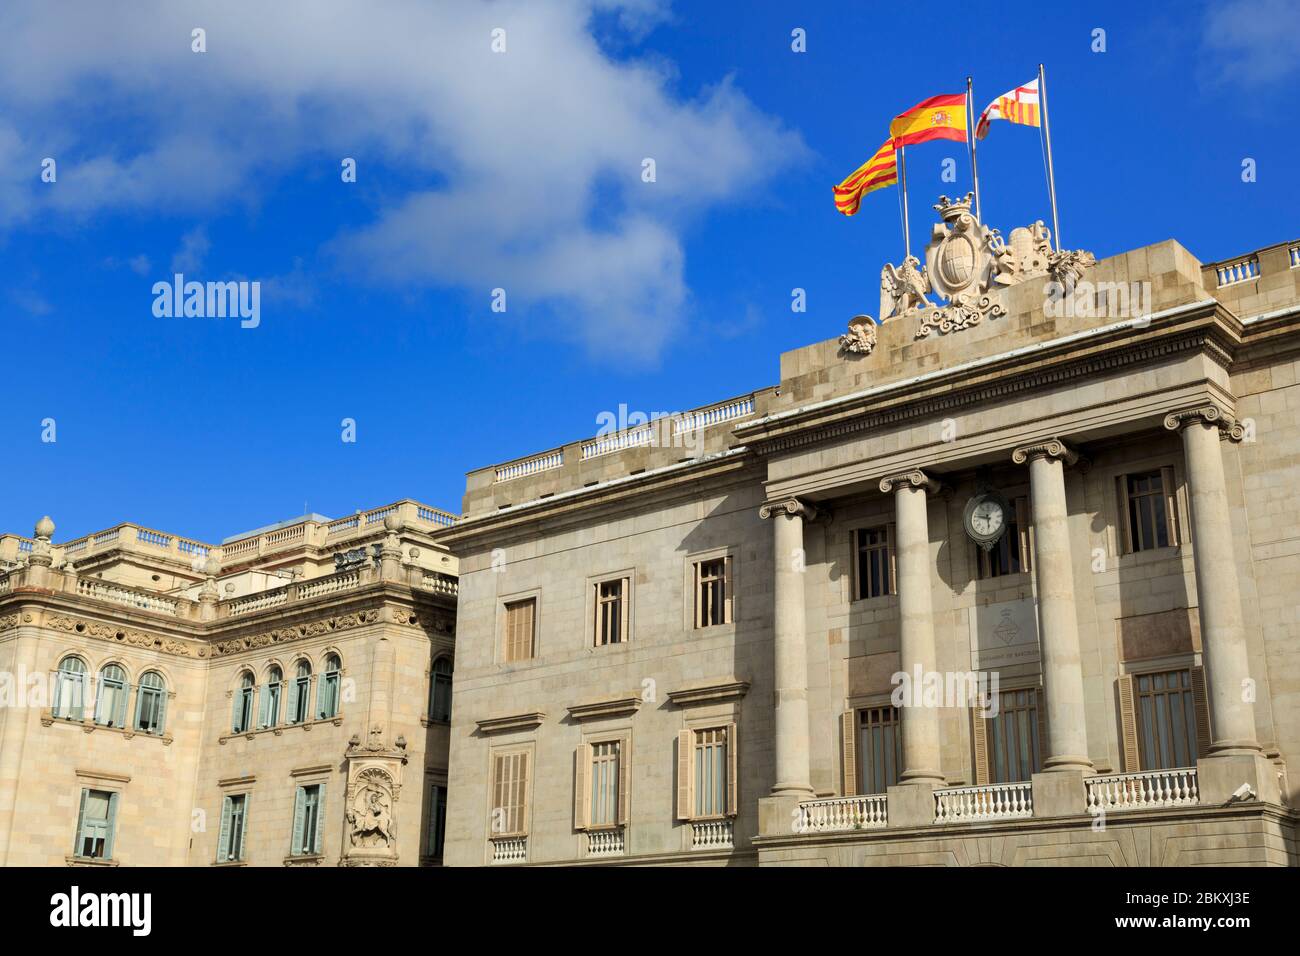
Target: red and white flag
{"type": "Point", "coordinates": [1019, 106]}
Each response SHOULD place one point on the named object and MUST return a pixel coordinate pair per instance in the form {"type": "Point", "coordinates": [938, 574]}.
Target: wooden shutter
{"type": "Point", "coordinates": [980, 741]}
{"type": "Point", "coordinates": [243, 831]}
{"type": "Point", "coordinates": [685, 753]}
{"type": "Point", "coordinates": [1123, 531]}
{"type": "Point", "coordinates": [293, 702]}
{"type": "Point", "coordinates": [81, 823]}
{"type": "Point", "coordinates": [320, 818]}
{"type": "Point", "coordinates": [264, 707]}
{"type": "Point", "coordinates": [299, 809]}
{"type": "Point", "coordinates": [727, 590]}
{"type": "Point", "coordinates": [892, 553]}
{"type": "Point", "coordinates": [1201, 706]}
{"type": "Point", "coordinates": [1040, 711]}
{"type": "Point", "coordinates": [524, 808]}
{"type": "Point", "coordinates": [139, 708]}
{"type": "Point", "coordinates": [581, 792]}
{"type": "Point", "coordinates": [733, 781]}
{"type": "Point", "coordinates": [223, 834]}
{"type": "Point", "coordinates": [849, 764]}
{"type": "Point", "coordinates": [1171, 504]}
{"type": "Point", "coordinates": [624, 776]}
{"type": "Point", "coordinates": [1023, 526]}
{"type": "Point", "coordinates": [112, 825]}
{"type": "Point", "coordinates": [162, 711]}
{"type": "Point", "coordinates": [1128, 729]}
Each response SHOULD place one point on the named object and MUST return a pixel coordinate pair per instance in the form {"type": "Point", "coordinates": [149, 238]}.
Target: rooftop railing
{"type": "Point", "coordinates": [1242, 270]}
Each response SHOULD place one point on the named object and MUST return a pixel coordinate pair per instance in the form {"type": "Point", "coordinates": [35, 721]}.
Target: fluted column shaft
{"type": "Point", "coordinates": [790, 672]}
{"type": "Point", "coordinates": [1067, 734]}
{"type": "Point", "coordinates": [919, 723]}
{"type": "Point", "coordinates": [1223, 634]}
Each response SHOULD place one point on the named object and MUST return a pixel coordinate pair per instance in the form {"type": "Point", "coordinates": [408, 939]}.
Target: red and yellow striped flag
{"type": "Point", "coordinates": [939, 117]}
{"type": "Point", "coordinates": [1019, 106]}
{"type": "Point", "coordinates": [879, 171]}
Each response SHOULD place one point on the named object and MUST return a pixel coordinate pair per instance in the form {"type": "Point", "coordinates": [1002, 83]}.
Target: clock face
{"type": "Point", "coordinates": [986, 517]}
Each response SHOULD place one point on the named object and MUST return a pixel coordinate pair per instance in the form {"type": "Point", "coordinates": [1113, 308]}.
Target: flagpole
{"type": "Point", "coordinates": [970, 145]}
{"type": "Point", "coordinates": [1051, 177]}
{"type": "Point", "coordinates": [902, 182]}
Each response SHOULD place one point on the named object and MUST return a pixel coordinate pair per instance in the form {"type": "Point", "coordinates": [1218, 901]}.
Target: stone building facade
{"type": "Point", "coordinates": [1009, 578]}
{"type": "Point", "coordinates": [282, 698]}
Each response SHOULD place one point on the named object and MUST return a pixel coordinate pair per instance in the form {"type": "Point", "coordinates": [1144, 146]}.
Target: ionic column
{"type": "Point", "coordinates": [1067, 735]}
{"type": "Point", "coordinates": [1223, 635]}
{"type": "Point", "coordinates": [920, 724]}
{"type": "Point", "coordinates": [793, 775]}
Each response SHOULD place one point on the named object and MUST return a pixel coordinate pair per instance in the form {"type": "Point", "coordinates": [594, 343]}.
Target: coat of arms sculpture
{"type": "Point", "coordinates": [966, 264]}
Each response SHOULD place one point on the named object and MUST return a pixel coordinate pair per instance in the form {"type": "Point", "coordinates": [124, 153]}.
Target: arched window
{"type": "Point", "coordinates": [327, 695]}
{"type": "Point", "coordinates": [110, 701]}
{"type": "Point", "coordinates": [300, 694]}
{"type": "Point", "coordinates": [151, 703]}
{"type": "Point", "coordinates": [269, 715]}
{"type": "Point", "coordinates": [440, 692]}
{"type": "Point", "coordinates": [242, 719]}
{"type": "Point", "coordinates": [70, 689]}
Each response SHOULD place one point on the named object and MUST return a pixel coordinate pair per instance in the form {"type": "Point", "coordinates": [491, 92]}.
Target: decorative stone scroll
{"type": "Point", "coordinates": [1229, 428]}
{"type": "Point", "coordinates": [1050, 448]}
{"type": "Point", "coordinates": [791, 506]}
{"type": "Point", "coordinates": [284, 635]}
{"type": "Point", "coordinates": [916, 478]}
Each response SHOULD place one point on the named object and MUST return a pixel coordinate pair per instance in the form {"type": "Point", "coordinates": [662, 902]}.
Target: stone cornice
{"type": "Point", "coordinates": [618, 707]}
{"type": "Point", "coordinates": [501, 725]}
{"type": "Point", "coordinates": [1204, 326]}
{"type": "Point", "coordinates": [1048, 448]}
{"type": "Point", "coordinates": [1209, 414]}
{"type": "Point", "coordinates": [709, 693]}
{"type": "Point", "coordinates": [916, 478]}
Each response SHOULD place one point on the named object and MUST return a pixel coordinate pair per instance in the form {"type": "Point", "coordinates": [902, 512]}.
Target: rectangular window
{"type": "Point", "coordinates": [880, 748]}
{"type": "Point", "coordinates": [713, 592]}
{"type": "Point", "coordinates": [437, 822]}
{"type": "Point", "coordinates": [307, 829]}
{"type": "Point", "coordinates": [711, 772]}
{"type": "Point", "coordinates": [611, 612]}
{"type": "Point", "coordinates": [521, 618]}
{"type": "Point", "coordinates": [510, 794]}
{"type": "Point", "coordinates": [874, 553]}
{"type": "Point", "coordinates": [230, 839]}
{"type": "Point", "coordinates": [1148, 510]}
{"type": "Point", "coordinates": [1011, 554]}
{"type": "Point", "coordinates": [96, 822]}
{"type": "Point", "coordinates": [1166, 719]}
{"type": "Point", "coordinates": [604, 783]}
{"type": "Point", "coordinates": [1014, 748]}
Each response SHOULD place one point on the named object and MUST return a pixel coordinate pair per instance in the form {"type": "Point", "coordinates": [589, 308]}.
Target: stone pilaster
{"type": "Point", "coordinates": [920, 724]}
{"type": "Point", "coordinates": [1067, 736]}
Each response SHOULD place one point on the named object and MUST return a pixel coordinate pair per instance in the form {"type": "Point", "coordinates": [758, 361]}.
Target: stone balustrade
{"type": "Point", "coordinates": [1145, 790]}
{"type": "Point", "coordinates": [510, 849]}
{"type": "Point", "coordinates": [843, 813]}
{"type": "Point", "coordinates": [605, 842]}
{"type": "Point", "coordinates": [130, 597]}
{"type": "Point", "coordinates": [1230, 273]}
{"type": "Point", "coordinates": [712, 835]}
{"type": "Point", "coordinates": [994, 801]}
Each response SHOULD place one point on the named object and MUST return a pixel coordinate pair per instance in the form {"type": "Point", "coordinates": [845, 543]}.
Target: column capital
{"type": "Point", "coordinates": [1048, 448]}
{"type": "Point", "coordinates": [1208, 414]}
{"type": "Point", "coordinates": [916, 478]}
{"type": "Point", "coordinates": [788, 506]}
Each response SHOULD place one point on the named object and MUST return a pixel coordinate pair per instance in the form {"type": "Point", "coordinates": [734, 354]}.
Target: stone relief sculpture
{"type": "Point", "coordinates": [966, 263]}
{"type": "Point", "coordinates": [370, 816]}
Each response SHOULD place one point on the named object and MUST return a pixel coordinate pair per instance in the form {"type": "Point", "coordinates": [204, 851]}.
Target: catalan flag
{"type": "Point", "coordinates": [879, 171]}
{"type": "Point", "coordinates": [939, 117]}
{"type": "Point", "coordinates": [1019, 106]}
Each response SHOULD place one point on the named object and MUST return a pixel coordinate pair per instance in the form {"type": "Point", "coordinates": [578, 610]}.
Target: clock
{"type": "Point", "coordinates": [985, 518]}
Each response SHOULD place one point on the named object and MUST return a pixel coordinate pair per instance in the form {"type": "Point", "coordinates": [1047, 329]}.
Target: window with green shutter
{"type": "Point", "coordinates": [436, 828]}
{"type": "Point", "coordinates": [440, 691]}
{"type": "Point", "coordinates": [151, 703]}
{"type": "Point", "coordinates": [242, 719]}
{"type": "Point", "coordinates": [96, 821]}
{"type": "Point", "coordinates": [234, 824]}
{"type": "Point", "coordinates": [110, 700]}
{"type": "Point", "coordinates": [70, 689]}
{"type": "Point", "coordinates": [307, 829]}
{"type": "Point", "coordinates": [300, 694]}
{"type": "Point", "coordinates": [327, 696]}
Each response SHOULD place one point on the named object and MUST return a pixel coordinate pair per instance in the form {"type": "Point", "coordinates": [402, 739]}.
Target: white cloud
{"type": "Point", "coordinates": [521, 170]}
{"type": "Point", "coordinates": [193, 251]}
{"type": "Point", "coordinates": [1254, 42]}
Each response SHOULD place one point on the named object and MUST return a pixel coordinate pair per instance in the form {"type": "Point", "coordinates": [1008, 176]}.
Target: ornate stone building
{"type": "Point", "coordinates": [1009, 578]}
{"type": "Point", "coordinates": [282, 698]}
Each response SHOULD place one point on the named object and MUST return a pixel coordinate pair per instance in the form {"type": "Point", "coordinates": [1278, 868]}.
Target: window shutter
{"type": "Point", "coordinates": [1171, 504]}
{"type": "Point", "coordinates": [727, 604]}
{"type": "Point", "coordinates": [625, 608]}
{"type": "Point", "coordinates": [893, 559]}
{"type": "Point", "coordinates": [243, 831]}
{"type": "Point", "coordinates": [119, 705]}
{"type": "Point", "coordinates": [695, 593]}
{"type": "Point", "coordinates": [234, 714]}
{"type": "Point", "coordinates": [139, 708]}
{"type": "Point", "coordinates": [581, 797]}
{"type": "Point", "coordinates": [524, 808]}
{"type": "Point", "coordinates": [733, 782]}
{"type": "Point", "coordinates": [1023, 528]}
{"type": "Point", "coordinates": [112, 825]}
{"type": "Point", "coordinates": [849, 777]}
{"type": "Point", "coordinates": [223, 834]}
{"type": "Point", "coordinates": [685, 748]}
{"type": "Point", "coordinates": [299, 818]}
{"type": "Point", "coordinates": [624, 776]}
{"type": "Point", "coordinates": [1128, 725]}
{"type": "Point", "coordinates": [320, 819]}
{"type": "Point", "coordinates": [81, 822]}
{"type": "Point", "coordinates": [264, 707]}
{"type": "Point", "coordinates": [1040, 711]}
{"type": "Point", "coordinates": [1201, 706]}
{"type": "Point", "coordinates": [292, 716]}
{"type": "Point", "coordinates": [162, 711]}
{"type": "Point", "coordinates": [980, 741]}
{"type": "Point", "coordinates": [1123, 532]}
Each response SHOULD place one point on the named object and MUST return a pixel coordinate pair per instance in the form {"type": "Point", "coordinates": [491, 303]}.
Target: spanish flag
{"type": "Point", "coordinates": [939, 117]}
{"type": "Point", "coordinates": [1019, 106]}
{"type": "Point", "coordinates": [879, 171]}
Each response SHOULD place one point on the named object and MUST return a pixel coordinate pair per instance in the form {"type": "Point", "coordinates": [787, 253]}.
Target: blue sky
{"type": "Point", "coordinates": [522, 170]}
